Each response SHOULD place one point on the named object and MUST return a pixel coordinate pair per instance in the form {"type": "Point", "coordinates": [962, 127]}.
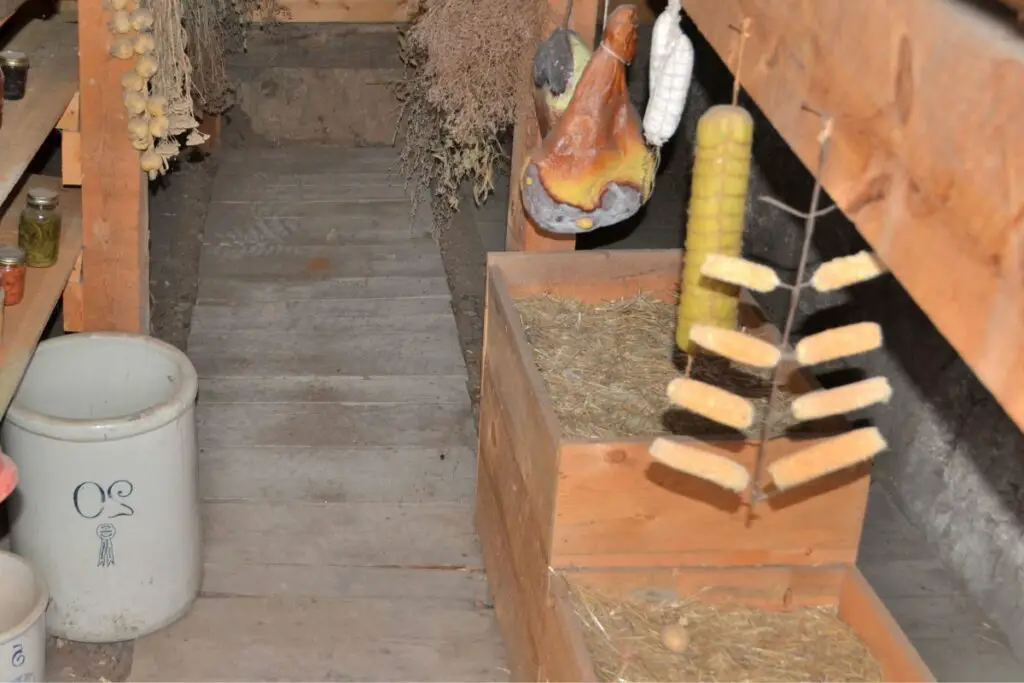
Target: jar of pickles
{"type": "Point", "coordinates": [39, 228]}
{"type": "Point", "coordinates": [12, 274]}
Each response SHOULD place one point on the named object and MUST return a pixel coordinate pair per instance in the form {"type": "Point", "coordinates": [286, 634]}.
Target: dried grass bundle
{"type": "Point", "coordinates": [726, 643]}
{"type": "Point", "coordinates": [606, 367]}
{"type": "Point", "coordinates": [466, 69]}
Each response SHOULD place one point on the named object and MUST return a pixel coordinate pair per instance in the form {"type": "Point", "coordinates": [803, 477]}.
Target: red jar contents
{"type": "Point", "coordinates": [12, 274]}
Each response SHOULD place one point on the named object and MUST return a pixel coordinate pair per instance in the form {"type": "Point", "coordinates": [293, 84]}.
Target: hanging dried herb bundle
{"type": "Point", "coordinates": [467, 65]}
{"type": "Point", "coordinates": [215, 29]}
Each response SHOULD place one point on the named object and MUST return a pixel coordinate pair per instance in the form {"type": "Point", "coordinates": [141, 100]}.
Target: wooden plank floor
{"type": "Point", "coordinates": [337, 438]}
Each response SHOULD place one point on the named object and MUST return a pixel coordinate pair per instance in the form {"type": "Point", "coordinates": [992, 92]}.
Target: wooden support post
{"type": "Point", "coordinates": [115, 199]}
{"type": "Point", "coordinates": [70, 145]}
{"type": "Point", "coordinates": [520, 233]}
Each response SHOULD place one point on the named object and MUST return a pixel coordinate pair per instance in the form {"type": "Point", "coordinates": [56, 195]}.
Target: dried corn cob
{"type": "Point", "coordinates": [721, 175]}
{"type": "Point", "coordinates": [740, 272]}
{"type": "Point", "coordinates": [736, 346]}
{"type": "Point", "coordinates": [698, 462]}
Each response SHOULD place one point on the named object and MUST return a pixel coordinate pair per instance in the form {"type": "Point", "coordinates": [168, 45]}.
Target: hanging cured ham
{"type": "Point", "coordinates": [593, 168]}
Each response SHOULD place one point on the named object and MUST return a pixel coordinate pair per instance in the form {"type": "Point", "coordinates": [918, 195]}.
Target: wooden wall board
{"type": "Point", "coordinates": [925, 155]}
{"type": "Point", "coordinates": [347, 11]}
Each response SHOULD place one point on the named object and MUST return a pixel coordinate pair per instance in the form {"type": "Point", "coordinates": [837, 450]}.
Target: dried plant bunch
{"type": "Point", "coordinates": [467, 68]}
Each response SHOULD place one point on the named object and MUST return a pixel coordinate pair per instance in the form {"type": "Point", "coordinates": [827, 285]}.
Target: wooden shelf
{"type": "Point", "coordinates": [24, 323]}
{"type": "Point", "coordinates": [52, 49]}
{"type": "Point", "coordinates": [925, 153]}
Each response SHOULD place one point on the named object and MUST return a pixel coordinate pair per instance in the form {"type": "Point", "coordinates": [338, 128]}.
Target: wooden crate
{"type": "Point", "coordinates": [564, 657]}
{"type": "Point", "coordinates": [547, 501]}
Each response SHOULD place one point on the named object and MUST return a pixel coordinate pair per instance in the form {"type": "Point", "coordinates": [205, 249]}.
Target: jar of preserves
{"type": "Point", "coordinates": [39, 228]}
{"type": "Point", "coordinates": [15, 69]}
{"type": "Point", "coordinates": [12, 274]}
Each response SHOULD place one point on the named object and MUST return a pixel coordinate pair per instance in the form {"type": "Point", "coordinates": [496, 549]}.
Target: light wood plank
{"type": "Point", "coordinates": [218, 290]}
{"type": "Point", "coordinates": [348, 11]}
{"type": "Point", "coordinates": [372, 352]}
{"type": "Point", "coordinates": [338, 475]}
{"type": "Point", "coordinates": [51, 47]}
{"type": "Point", "coordinates": [414, 258]}
{"type": "Point", "coordinates": [364, 389]}
{"type": "Point", "coordinates": [268, 639]}
{"type": "Point", "coordinates": [351, 316]}
{"type": "Point", "coordinates": [456, 587]}
{"type": "Point", "coordinates": [343, 534]}
{"type": "Point", "coordinates": [306, 159]}
{"type": "Point", "coordinates": [908, 164]}
{"type": "Point", "coordinates": [115, 195]}
{"type": "Point", "coordinates": [335, 425]}
{"type": "Point", "coordinates": [310, 224]}
{"type": "Point", "coordinates": [337, 194]}
{"type": "Point", "coordinates": [24, 323]}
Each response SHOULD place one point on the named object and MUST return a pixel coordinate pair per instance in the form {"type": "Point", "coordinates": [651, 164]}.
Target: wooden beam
{"type": "Point", "coordinates": [926, 155]}
{"type": "Point", "coordinates": [115, 262]}
{"type": "Point", "coordinates": [70, 145]}
{"type": "Point", "coordinates": [521, 234]}
{"type": "Point", "coordinates": [347, 11]}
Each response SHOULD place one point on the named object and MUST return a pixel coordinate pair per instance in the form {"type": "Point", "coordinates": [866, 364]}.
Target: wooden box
{"type": "Point", "coordinates": [564, 656]}
{"type": "Point", "coordinates": [544, 501]}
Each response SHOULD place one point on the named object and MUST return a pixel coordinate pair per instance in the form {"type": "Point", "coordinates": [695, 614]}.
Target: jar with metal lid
{"type": "Point", "coordinates": [15, 69]}
{"type": "Point", "coordinates": [39, 228]}
{"type": "Point", "coordinates": [12, 274]}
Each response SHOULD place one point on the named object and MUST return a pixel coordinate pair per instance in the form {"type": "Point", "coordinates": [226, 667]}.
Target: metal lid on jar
{"type": "Point", "coordinates": [42, 198]}
{"type": "Point", "coordinates": [13, 58]}
{"type": "Point", "coordinates": [11, 255]}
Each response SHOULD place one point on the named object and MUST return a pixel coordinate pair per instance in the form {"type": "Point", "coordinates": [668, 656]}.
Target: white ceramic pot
{"type": "Point", "coordinates": [102, 430]}
{"type": "Point", "coordinates": [23, 598]}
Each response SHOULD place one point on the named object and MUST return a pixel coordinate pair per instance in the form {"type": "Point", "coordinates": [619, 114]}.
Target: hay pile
{"type": "Point", "coordinates": [467, 64]}
{"type": "Point", "coordinates": [726, 643]}
{"type": "Point", "coordinates": [606, 367]}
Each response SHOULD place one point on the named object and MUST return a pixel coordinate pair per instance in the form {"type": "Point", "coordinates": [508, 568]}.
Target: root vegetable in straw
{"type": "Point", "coordinates": [718, 195]}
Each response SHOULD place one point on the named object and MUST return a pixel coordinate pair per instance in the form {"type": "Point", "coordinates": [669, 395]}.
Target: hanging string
{"type": "Point", "coordinates": [568, 14]}
{"type": "Point", "coordinates": [744, 31]}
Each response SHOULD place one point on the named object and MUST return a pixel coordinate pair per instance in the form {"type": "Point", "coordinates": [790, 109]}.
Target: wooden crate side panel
{"type": "Point", "coordinates": [503, 579]}
{"type": "Point", "coordinates": [563, 655]}
{"type": "Point", "coordinates": [770, 588]}
{"type": "Point", "coordinates": [519, 392]}
{"type": "Point", "coordinates": [616, 507]}
{"type": "Point", "coordinates": [591, 276]}
{"type": "Point", "coordinates": [773, 588]}
{"type": "Point", "coordinates": [511, 536]}
{"type": "Point", "coordinates": [860, 607]}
